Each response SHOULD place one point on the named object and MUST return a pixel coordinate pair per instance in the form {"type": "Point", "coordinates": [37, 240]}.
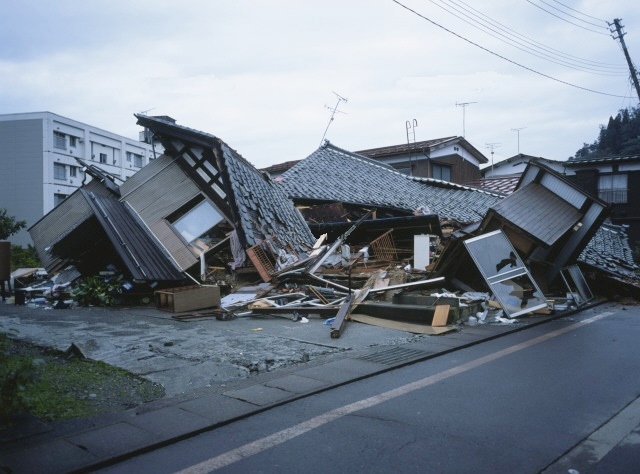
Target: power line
{"type": "Point", "coordinates": [574, 10]}
{"type": "Point", "coordinates": [572, 16]}
{"type": "Point", "coordinates": [585, 67]}
{"type": "Point", "coordinates": [564, 19]}
{"type": "Point", "coordinates": [503, 57]}
{"type": "Point", "coordinates": [535, 43]}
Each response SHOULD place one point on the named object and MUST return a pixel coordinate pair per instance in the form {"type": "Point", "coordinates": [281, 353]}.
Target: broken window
{"type": "Point", "coordinates": [505, 273]}
{"type": "Point", "coordinates": [612, 188]}
{"type": "Point", "coordinates": [195, 218]}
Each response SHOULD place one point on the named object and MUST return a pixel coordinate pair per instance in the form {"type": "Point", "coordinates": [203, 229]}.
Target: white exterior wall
{"type": "Point", "coordinates": [28, 153]}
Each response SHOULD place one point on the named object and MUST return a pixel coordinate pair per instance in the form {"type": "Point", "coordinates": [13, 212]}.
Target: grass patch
{"type": "Point", "coordinates": [59, 387]}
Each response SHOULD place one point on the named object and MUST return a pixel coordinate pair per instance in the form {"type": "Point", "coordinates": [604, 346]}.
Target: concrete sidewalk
{"type": "Point", "coordinates": [86, 444]}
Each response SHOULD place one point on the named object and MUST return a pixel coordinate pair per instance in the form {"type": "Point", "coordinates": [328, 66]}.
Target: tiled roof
{"type": "Point", "coordinates": [332, 174]}
{"type": "Point", "coordinates": [577, 162]}
{"type": "Point", "coordinates": [265, 211]}
{"type": "Point", "coordinates": [609, 249]}
{"type": "Point", "coordinates": [499, 184]}
{"type": "Point", "coordinates": [423, 146]}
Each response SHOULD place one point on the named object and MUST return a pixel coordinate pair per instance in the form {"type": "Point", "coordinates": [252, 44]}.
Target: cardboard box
{"type": "Point", "coordinates": [187, 298]}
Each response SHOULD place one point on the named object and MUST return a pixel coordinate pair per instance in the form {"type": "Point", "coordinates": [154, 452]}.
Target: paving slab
{"type": "Point", "coordinates": [53, 457]}
{"type": "Point", "coordinates": [169, 422]}
{"type": "Point", "coordinates": [296, 384]}
{"type": "Point", "coordinates": [112, 440]}
{"type": "Point", "coordinates": [260, 395]}
{"type": "Point", "coordinates": [217, 408]}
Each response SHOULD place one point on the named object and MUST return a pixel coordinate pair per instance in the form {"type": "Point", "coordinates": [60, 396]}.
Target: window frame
{"type": "Point", "coordinates": [59, 171]}
{"type": "Point", "coordinates": [59, 140]}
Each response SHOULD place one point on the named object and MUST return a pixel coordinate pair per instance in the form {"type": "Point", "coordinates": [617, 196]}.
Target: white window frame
{"type": "Point", "coordinates": [59, 171]}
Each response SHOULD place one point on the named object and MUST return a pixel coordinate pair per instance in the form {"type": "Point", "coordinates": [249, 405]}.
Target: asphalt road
{"type": "Point", "coordinates": [526, 403]}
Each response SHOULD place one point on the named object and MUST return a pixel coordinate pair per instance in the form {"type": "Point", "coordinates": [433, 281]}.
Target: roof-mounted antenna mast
{"type": "Point", "coordinates": [411, 125]}
{"type": "Point", "coordinates": [333, 113]}
{"type": "Point", "coordinates": [464, 109]}
{"type": "Point", "coordinates": [492, 146]}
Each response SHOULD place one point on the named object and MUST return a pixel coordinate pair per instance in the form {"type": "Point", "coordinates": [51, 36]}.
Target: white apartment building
{"type": "Point", "coordinates": [38, 169]}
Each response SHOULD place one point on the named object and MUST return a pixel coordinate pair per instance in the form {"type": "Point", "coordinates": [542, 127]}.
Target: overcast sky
{"type": "Point", "coordinates": [263, 75]}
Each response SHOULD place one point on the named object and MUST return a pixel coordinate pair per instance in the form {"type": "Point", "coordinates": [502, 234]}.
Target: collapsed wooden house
{"type": "Point", "coordinates": [159, 228]}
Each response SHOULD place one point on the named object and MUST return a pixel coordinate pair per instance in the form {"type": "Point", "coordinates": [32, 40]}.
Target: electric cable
{"type": "Point", "coordinates": [505, 58]}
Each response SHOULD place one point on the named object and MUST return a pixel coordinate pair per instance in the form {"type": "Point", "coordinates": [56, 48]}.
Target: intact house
{"type": "Point", "coordinates": [451, 159]}
{"type": "Point", "coordinates": [615, 180]}
{"type": "Point", "coordinates": [198, 205]}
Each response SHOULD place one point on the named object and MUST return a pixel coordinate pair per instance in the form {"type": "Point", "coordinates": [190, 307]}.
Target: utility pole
{"type": "Point", "coordinates": [632, 69]}
{"type": "Point", "coordinates": [333, 112]}
{"type": "Point", "coordinates": [464, 107]}
{"type": "Point", "coordinates": [518, 131]}
{"type": "Point", "coordinates": [492, 146]}
{"type": "Point", "coordinates": [411, 125]}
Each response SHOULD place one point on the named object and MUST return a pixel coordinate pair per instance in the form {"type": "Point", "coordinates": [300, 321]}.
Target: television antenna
{"type": "Point", "coordinates": [333, 110]}
{"type": "Point", "coordinates": [518, 131]}
{"type": "Point", "coordinates": [464, 108]}
{"type": "Point", "coordinates": [492, 146]}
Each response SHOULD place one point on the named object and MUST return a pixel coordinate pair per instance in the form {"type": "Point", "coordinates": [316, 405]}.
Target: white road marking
{"type": "Point", "coordinates": [287, 434]}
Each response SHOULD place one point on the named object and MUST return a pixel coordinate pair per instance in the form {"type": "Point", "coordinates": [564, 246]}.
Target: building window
{"type": "Point", "coordinates": [73, 171]}
{"type": "Point", "coordinates": [73, 141]}
{"type": "Point", "coordinates": [137, 159]}
{"type": "Point", "coordinates": [195, 218]}
{"type": "Point", "coordinates": [59, 140]}
{"type": "Point", "coordinates": [612, 188]}
{"type": "Point", "coordinates": [442, 172]}
{"type": "Point", "coordinates": [59, 171]}
{"type": "Point", "coordinates": [103, 157]}
{"type": "Point", "coordinates": [58, 198]}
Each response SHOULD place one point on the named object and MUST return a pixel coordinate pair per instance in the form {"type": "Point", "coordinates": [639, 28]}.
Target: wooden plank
{"type": "Point", "coordinates": [440, 316]}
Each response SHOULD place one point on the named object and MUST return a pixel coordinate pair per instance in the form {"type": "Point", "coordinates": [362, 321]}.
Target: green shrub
{"type": "Point", "coordinates": [97, 291]}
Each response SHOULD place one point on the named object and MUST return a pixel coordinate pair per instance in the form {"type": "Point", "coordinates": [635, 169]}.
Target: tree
{"type": "Point", "coordinates": [9, 225]}
{"type": "Point", "coordinates": [621, 136]}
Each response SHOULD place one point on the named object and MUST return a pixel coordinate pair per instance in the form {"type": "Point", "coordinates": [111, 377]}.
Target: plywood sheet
{"type": "Point", "coordinates": [400, 326]}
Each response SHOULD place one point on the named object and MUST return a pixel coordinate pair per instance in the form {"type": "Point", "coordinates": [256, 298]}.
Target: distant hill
{"type": "Point", "coordinates": [621, 136]}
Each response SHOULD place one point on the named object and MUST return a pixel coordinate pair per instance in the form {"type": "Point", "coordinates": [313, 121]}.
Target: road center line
{"type": "Point", "coordinates": [287, 434]}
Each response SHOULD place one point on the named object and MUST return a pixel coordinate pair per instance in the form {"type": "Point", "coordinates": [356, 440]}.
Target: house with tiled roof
{"type": "Point", "coordinates": [200, 199]}
{"type": "Point", "coordinates": [451, 159]}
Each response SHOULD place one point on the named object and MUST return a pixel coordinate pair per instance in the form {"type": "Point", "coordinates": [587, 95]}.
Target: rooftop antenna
{"type": "Point", "coordinates": [464, 108]}
{"type": "Point", "coordinates": [144, 112]}
{"type": "Point", "coordinates": [517, 130]}
{"type": "Point", "coordinates": [492, 146]}
{"type": "Point", "coordinates": [333, 113]}
{"type": "Point", "coordinates": [411, 125]}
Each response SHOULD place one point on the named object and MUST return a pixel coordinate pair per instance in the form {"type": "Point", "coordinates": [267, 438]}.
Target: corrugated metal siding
{"type": "Point", "coordinates": [162, 194]}
{"type": "Point", "coordinates": [144, 174]}
{"type": "Point", "coordinates": [63, 219]}
{"type": "Point", "coordinates": [539, 212]}
{"type": "Point", "coordinates": [565, 191]}
{"type": "Point", "coordinates": [174, 244]}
